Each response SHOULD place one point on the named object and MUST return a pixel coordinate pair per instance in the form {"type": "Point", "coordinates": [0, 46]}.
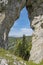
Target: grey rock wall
{"type": "Point", "coordinates": [9, 12]}
{"type": "Point", "coordinates": [36, 17]}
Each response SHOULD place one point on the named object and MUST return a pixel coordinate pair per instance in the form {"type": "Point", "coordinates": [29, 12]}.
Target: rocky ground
{"type": "Point", "coordinates": [6, 58]}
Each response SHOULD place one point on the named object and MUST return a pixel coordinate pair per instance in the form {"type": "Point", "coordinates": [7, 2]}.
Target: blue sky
{"type": "Point", "coordinates": [21, 25]}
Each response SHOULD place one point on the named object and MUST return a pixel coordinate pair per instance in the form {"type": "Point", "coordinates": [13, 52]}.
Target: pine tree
{"type": "Point", "coordinates": [24, 51]}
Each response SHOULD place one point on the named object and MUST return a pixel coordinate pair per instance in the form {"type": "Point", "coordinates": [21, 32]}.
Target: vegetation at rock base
{"type": "Point", "coordinates": [4, 54]}
{"type": "Point", "coordinates": [22, 48]}
{"type": "Point", "coordinates": [19, 46]}
{"type": "Point", "coordinates": [14, 55]}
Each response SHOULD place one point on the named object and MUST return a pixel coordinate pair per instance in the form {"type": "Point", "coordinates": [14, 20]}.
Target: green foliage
{"type": "Point", "coordinates": [7, 55]}
{"type": "Point", "coordinates": [23, 49]}
{"type": "Point", "coordinates": [19, 0]}
{"type": "Point", "coordinates": [4, 53]}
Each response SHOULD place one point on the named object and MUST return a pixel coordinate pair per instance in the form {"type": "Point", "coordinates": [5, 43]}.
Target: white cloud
{"type": "Point", "coordinates": [19, 33]}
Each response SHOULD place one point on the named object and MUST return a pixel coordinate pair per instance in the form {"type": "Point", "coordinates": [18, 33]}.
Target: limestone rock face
{"type": "Point", "coordinates": [9, 12]}
{"type": "Point", "coordinates": [37, 40]}
{"type": "Point", "coordinates": [36, 16]}
{"type": "Point", "coordinates": [3, 62]}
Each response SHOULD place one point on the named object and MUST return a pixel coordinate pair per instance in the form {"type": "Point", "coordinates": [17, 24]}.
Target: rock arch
{"type": "Point", "coordinates": [9, 12]}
